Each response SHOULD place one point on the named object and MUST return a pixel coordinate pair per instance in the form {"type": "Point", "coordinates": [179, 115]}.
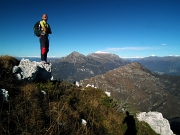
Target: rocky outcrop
{"type": "Point", "coordinates": [156, 121]}
{"type": "Point", "coordinates": [31, 70]}
{"type": "Point", "coordinates": [4, 95]}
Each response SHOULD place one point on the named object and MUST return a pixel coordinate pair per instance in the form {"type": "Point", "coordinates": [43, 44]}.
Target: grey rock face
{"type": "Point", "coordinates": [155, 119]}
{"type": "Point", "coordinates": [4, 94]}
{"type": "Point", "coordinates": [30, 70]}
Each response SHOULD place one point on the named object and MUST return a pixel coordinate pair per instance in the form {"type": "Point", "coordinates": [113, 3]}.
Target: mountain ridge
{"type": "Point", "coordinates": [162, 65]}
{"type": "Point", "coordinates": [137, 85]}
{"type": "Point", "coordinates": [76, 66]}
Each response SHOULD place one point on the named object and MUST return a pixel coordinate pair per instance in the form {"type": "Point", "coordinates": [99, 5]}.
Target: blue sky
{"type": "Point", "coordinates": [128, 28]}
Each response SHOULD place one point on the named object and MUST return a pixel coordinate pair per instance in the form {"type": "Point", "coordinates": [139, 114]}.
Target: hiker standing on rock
{"type": "Point", "coordinates": [44, 38]}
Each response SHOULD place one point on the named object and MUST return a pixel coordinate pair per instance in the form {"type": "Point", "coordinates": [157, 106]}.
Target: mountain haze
{"type": "Point", "coordinates": [163, 65]}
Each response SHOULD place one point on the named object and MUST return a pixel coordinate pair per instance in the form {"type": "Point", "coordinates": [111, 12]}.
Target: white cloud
{"type": "Point", "coordinates": [134, 57]}
{"type": "Point", "coordinates": [129, 48]}
{"type": "Point", "coordinates": [101, 52]}
{"type": "Point", "coordinates": [174, 55]}
{"type": "Point", "coordinates": [164, 44]}
{"type": "Point", "coordinates": [153, 55]}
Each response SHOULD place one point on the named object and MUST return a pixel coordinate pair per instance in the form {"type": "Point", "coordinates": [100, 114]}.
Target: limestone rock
{"type": "Point", "coordinates": [155, 119]}
{"type": "Point", "coordinates": [4, 94]}
{"type": "Point", "coordinates": [30, 70]}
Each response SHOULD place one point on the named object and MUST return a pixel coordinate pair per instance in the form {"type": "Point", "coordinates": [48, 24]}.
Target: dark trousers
{"type": "Point", "coordinates": [44, 46]}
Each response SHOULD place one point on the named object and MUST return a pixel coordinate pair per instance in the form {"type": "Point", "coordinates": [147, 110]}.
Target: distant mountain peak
{"type": "Point", "coordinates": [76, 53]}
{"type": "Point", "coordinates": [74, 57]}
{"type": "Point", "coordinates": [105, 57]}
{"type": "Point", "coordinates": [103, 54]}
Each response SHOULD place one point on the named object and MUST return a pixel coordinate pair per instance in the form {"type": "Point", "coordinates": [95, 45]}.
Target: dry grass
{"type": "Point", "coordinates": [6, 65]}
{"type": "Point", "coordinates": [60, 111]}
{"type": "Point", "coordinates": [7, 62]}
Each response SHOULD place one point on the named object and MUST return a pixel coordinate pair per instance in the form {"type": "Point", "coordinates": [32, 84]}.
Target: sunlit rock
{"type": "Point", "coordinates": [108, 93]}
{"type": "Point", "coordinates": [84, 122]}
{"type": "Point", "coordinates": [4, 94]}
{"type": "Point", "coordinates": [31, 70]}
{"type": "Point", "coordinates": [155, 119]}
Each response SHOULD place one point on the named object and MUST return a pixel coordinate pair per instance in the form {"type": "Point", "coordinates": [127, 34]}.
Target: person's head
{"type": "Point", "coordinates": [127, 113]}
{"type": "Point", "coordinates": [44, 17]}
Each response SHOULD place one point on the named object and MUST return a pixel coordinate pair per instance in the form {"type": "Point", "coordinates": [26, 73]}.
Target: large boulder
{"type": "Point", "coordinates": [155, 119]}
{"type": "Point", "coordinates": [31, 70]}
